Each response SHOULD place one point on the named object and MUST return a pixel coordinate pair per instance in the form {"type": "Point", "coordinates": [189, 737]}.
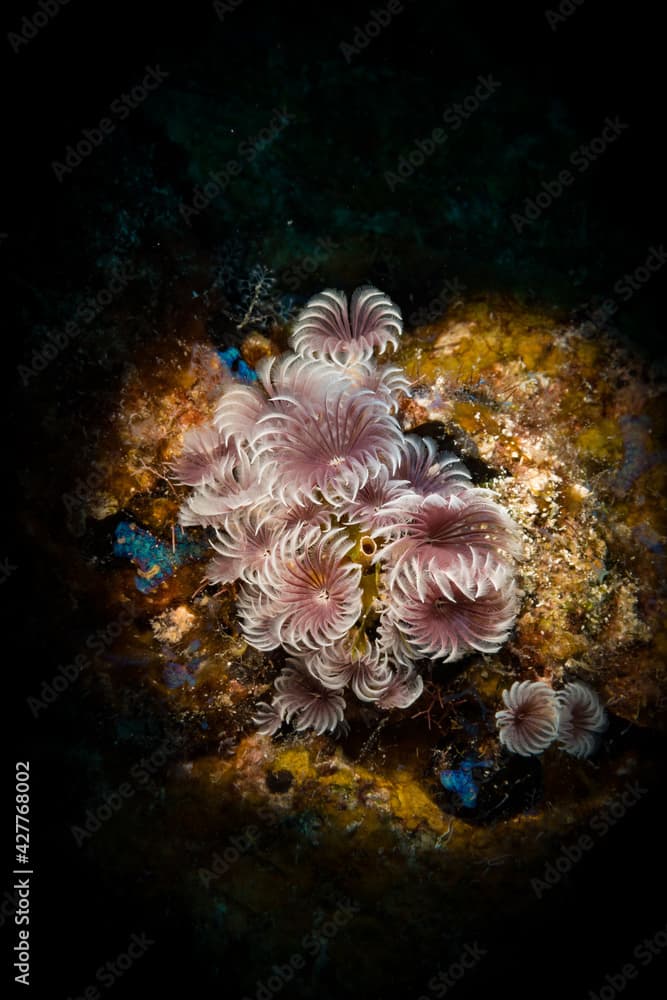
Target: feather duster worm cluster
{"type": "Point", "coordinates": [535, 715]}
{"type": "Point", "coordinates": [357, 549]}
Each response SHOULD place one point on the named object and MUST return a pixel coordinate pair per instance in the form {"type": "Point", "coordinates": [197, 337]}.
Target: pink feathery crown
{"type": "Point", "coordinates": [359, 550]}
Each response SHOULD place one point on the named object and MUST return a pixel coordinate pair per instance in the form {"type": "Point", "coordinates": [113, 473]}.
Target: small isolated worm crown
{"type": "Point", "coordinates": [535, 715]}
{"type": "Point", "coordinates": [357, 549]}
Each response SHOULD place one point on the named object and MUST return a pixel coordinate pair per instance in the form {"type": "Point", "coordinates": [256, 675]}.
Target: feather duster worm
{"type": "Point", "coordinates": [357, 549]}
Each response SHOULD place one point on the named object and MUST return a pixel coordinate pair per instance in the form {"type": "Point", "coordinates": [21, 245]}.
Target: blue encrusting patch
{"type": "Point", "coordinates": [155, 560]}
{"type": "Point", "coordinates": [231, 359]}
{"type": "Point", "coordinates": [460, 780]}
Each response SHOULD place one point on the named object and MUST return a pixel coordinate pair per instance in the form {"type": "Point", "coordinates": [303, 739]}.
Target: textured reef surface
{"type": "Point", "coordinates": [563, 423]}
{"type": "Point", "coordinates": [508, 811]}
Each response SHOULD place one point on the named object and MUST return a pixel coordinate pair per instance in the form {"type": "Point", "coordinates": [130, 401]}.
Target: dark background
{"type": "Point", "coordinates": [558, 88]}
